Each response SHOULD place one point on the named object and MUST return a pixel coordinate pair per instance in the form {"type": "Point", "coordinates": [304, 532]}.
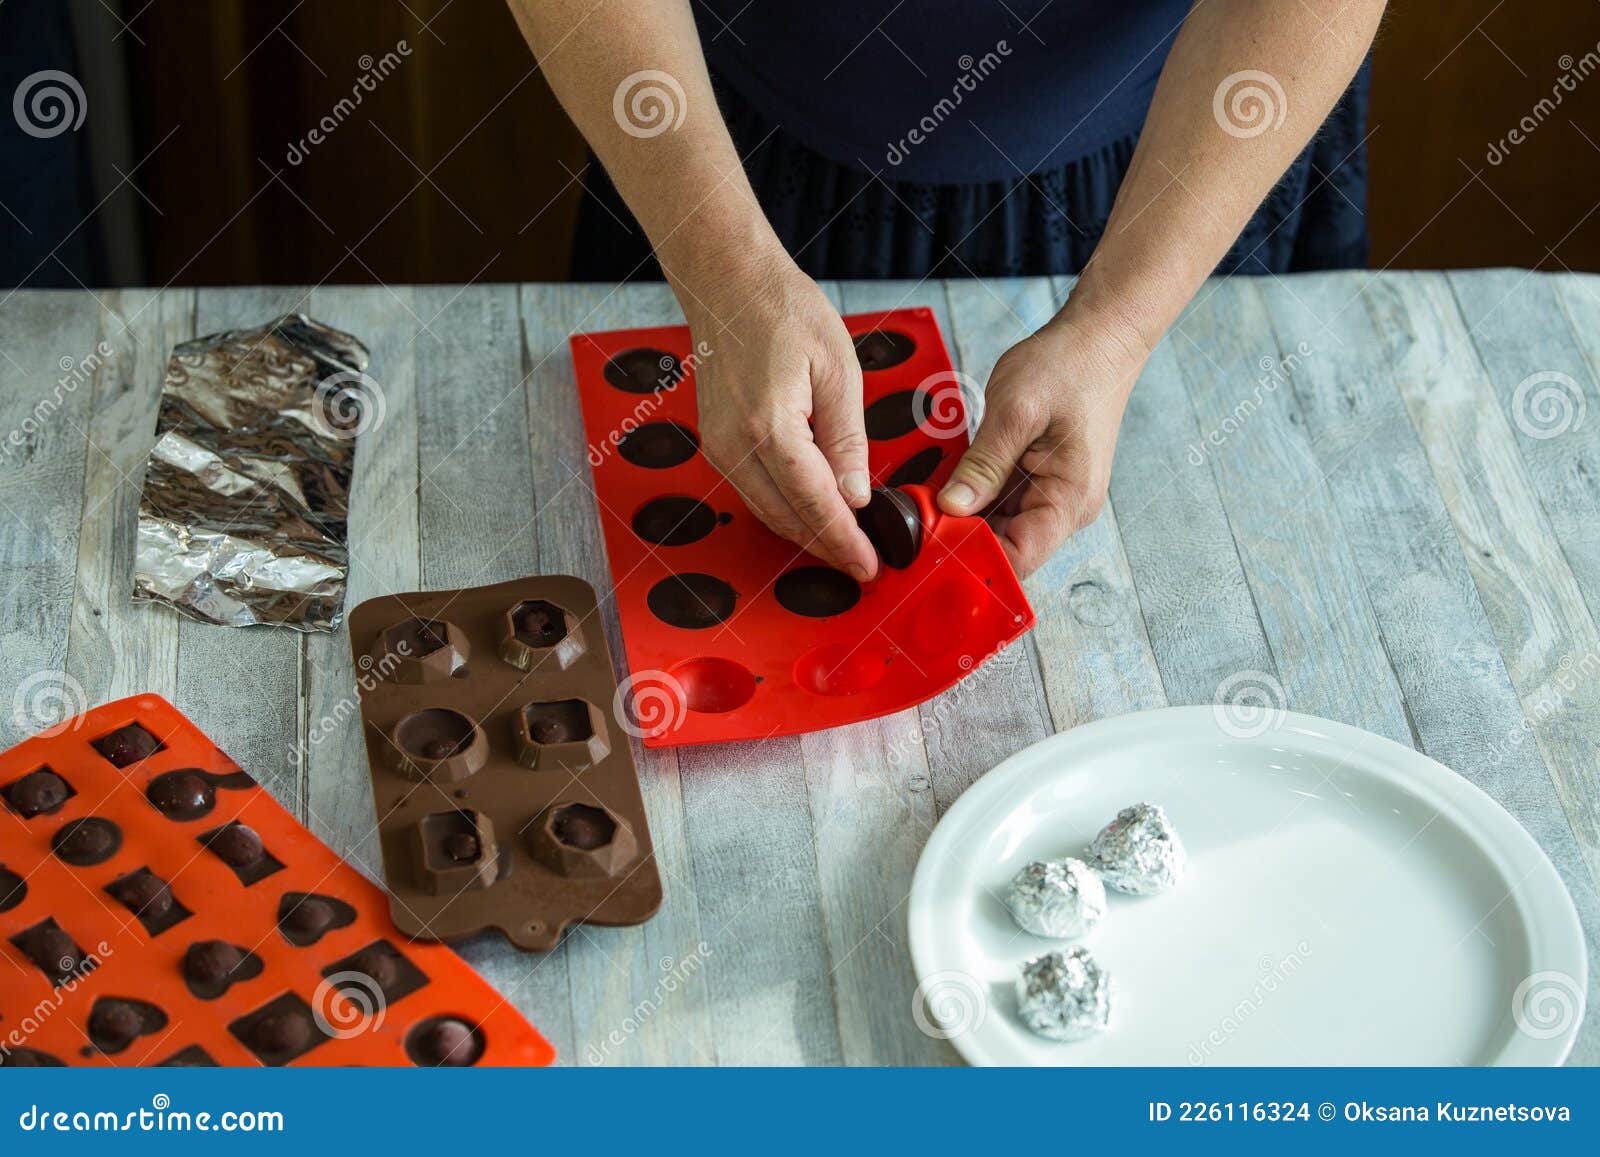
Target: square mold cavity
{"type": "Point", "coordinates": [568, 734]}
{"type": "Point", "coordinates": [454, 850]}
{"type": "Point", "coordinates": [537, 632]}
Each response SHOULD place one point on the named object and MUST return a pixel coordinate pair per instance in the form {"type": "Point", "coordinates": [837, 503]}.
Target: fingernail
{"type": "Point", "coordinates": [959, 495]}
{"type": "Point", "coordinates": [855, 486]}
{"type": "Point", "coordinates": [858, 572]}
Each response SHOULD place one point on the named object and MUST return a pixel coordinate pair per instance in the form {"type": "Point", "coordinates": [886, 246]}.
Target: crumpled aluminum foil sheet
{"type": "Point", "coordinates": [1139, 851]}
{"type": "Point", "coordinates": [242, 519]}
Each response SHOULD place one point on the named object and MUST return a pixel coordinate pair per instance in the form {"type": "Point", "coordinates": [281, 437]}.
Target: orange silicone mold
{"type": "Point", "coordinates": [732, 632]}
{"type": "Point", "coordinates": [157, 906]}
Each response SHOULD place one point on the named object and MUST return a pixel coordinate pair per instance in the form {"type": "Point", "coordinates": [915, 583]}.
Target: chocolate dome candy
{"type": "Point", "coordinates": [38, 793]}
{"type": "Point", "coordinates": [182, 795]}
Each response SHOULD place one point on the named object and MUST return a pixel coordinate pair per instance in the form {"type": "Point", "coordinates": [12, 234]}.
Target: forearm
{"type": "Point", "coordinates": [681, 178]}
{"type": "Point", "coordinates": [1193, 184]}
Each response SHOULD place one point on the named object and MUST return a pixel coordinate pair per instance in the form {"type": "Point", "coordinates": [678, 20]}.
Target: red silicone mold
{"type": "Point", "coordinates": [157, 907]}
{"type": "Point", "coordinates": [732, 632]}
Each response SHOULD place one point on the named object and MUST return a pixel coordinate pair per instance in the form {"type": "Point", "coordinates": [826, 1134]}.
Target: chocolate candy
{"type": "Point", "coordinates": [115, 1022]}
{"type": "Point", "coordinates": [22, 1058]}
{"type": "Point", "coordinates": [880, 349]}
{"type": "Point", "coordinates": [280, 1030]}
{"type": "Point", "coordinates": [1057, 898]}
{"type": "Point", "coordinates": [39, 793]}
{"type": "Point", "coordinates": [305, 917]}
{"type": "Point", "coordinates": [540, 625]}
{"type": "Point", "coordinates": [210, 967]}
{"type": "Point", "coordinates": [128, 745]}
{"type": "Point", "coordinates": [86, 842]}
{"type": "Point", "coordinates": [444, 1042]}
{"type": "Point", "coordinates": [893, 525]}
{"type": "Point", "coordinates": [182, 795]}
{"type": "Point", "coordinates": [1064, 995]}
{"type": "Point", "coordinates": [237, 846]}
{"type": "Point", "coordinates": [13, 889]}
{"type": "Point", "coordinates": [1139, 851]}
{"type": "Point", "coordinates": [52, 951]}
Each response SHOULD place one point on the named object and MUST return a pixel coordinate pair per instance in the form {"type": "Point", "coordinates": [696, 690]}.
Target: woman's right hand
{"type": "Point", "coordinates": [779, 392]}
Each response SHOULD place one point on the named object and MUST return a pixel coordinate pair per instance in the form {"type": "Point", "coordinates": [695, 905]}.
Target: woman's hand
{"type": "Point", "coordinates": [779, 392]}
{"type": "Point", "coordinates": [1040, 462]}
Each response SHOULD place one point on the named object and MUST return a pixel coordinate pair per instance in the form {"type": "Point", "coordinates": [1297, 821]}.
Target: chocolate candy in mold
{"type": "Point", "coordinates": [181, 795]}
{"type": "Point", "coordinates": [568, 734]}
{"type": "Point", "coordinates": [379, 969]}
{"type": "Point", "coordinates": [39, 793]}
{"type": "Point", "coordinates": [692, 601]}
{"type": "Point", "coordinates": [917, 469]}
{"type": "Point", "coordinates": [115, 1022]}
{"type": "Point", "coordinates": [13, 889]}
{"type": "Point", "coordinates": [893, 524]}
{"type": "Point", "coordinates": [51, 950]}
{"type": "Point", "coordinates": [818, 592]}
{"type": "Point", "coordinates": [211, 967]}
{"type": "Point", "coordinates": [437, 744]}
{"type": "Point", "coordinates": [674, 520]}
{"type": "Point", "coordinates": [128, 745]}
{"type": "Point", "coordinates": [87, 841]}
{"type": "Point", "coordinates": [881, 349]}
{"type": "Point", "coordinates": [454, 850]}
{"type": "Point", "coordinates": [539, 623]}
{"type": "Point", "coordinates": [896, 415]}
{"type": "Point", "coordinates": [238, 846]}
{"type": "Point", "coordinates": [150, 898]}
{"type": "Point", "coordinates": [193, 1057]}
{"type": "Point", "coordinates": [306, 917]}
{"type": "Point", "coordinates": [578, 839]}
{"type": "Point", "coordinates": [444, 1041]}
{"type": "Point", "coordinates": [280, 1030]}
{"type": "Point", "coordinates": [659, 445]}
{"type": "Point", "coordinates": [643, 371]}
{"type": "Point", "coordinates": [26, 1058]}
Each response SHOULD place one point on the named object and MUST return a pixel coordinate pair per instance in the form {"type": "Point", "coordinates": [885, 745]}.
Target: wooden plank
{"type": "Point", "coordinates": [1435, 631]}
{"type": "Point", "coordinates": [242, 686]}
{"type": "Point", "coordinates": [1547, 388]}
{"type": "Point", "coordinates": [638, 995]}
{"type": "Point", "coordinates": [1197, 606]}
{"type": "Point", "coordinates": [384, 558]}
{"type": "Point", "coordinates": [476, 509]}
{"type": "Point", "coordinates": [117, 647]}
{"type": "Point", "coordinates": [45, 337]}
{"type": "Point", "coordinates": [1314, 611]}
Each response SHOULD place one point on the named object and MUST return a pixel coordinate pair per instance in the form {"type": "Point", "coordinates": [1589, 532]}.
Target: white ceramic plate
{"type": "Point", "coordinates": [1348, 901]}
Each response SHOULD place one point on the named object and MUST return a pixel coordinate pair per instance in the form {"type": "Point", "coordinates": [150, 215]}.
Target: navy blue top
{"type": "Point", "coordinates": [945, 91]}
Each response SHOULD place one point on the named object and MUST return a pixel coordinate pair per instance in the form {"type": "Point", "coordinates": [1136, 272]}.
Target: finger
{"type": "Point", "coordinates": [1031, 537]}
{"type": "Point", "coordinates": [766, 502]}
{"type": "Point", "coordinates": [804, 477]}
{"type": "Point", "coordinates": [1004, 435]}
{"type": "Point", "coordinates": [840, 428]}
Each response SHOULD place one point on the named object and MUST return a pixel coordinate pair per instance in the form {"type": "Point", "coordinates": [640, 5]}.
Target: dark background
{"type": "Point", "coordinates": [461, 167]}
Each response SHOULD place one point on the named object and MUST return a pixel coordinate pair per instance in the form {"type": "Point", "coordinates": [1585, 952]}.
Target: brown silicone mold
{"type": "Point", "coordinates": [505, 787]}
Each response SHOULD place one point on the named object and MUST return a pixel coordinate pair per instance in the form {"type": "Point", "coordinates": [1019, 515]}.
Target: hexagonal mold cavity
{"type": "Point", "coordinates": [580, 839]}
{"type": "Point", "coordinates": [437, 744]}
{"type": "Point", "coordinates": [419, 650]}
{"type": "Point", "coordinates": [536, 632]}
{"type": "Point", "coordinates": [454, 850]}
{"type": "Point", "coordinates": [564, 733]}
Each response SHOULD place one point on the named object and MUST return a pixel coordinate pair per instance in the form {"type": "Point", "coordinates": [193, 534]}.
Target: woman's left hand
{"type": "Point", "coordinates": [1040, 463]}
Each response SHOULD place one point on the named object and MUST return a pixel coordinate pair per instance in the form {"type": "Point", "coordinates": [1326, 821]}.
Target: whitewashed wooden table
{"type": "Point", "coordinates": [1385, 529]}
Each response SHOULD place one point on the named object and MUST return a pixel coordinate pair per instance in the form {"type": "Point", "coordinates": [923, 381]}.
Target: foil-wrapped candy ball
{"type": "Point", "coordinates": [1064, 995]}
{"type": "Point", "coordinates": [1059, 898]}
{"type": "Point", "coordinates": [1139, 851]}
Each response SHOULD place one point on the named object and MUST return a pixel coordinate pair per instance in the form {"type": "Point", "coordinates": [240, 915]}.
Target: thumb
{"type": "Point", "coordinates": [839, 427]}
{"type": "Point", "coordinates": [1002, 437]}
